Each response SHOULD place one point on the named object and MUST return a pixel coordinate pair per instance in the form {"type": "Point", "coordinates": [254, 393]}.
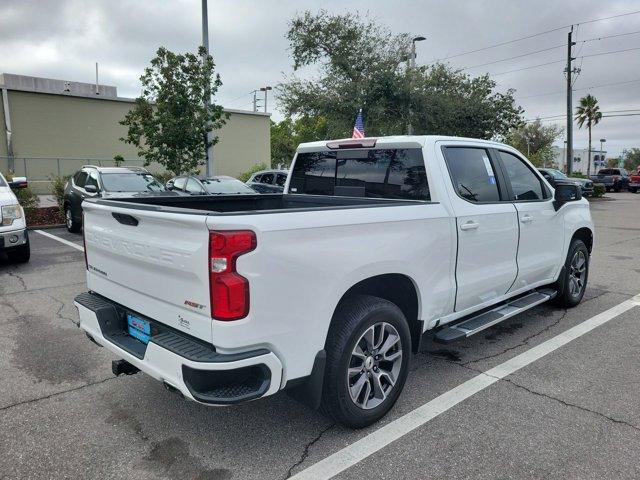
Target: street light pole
{"type": "Point", "coordinates": [265, 90]}
{"type": "Point", "coordinates": [412, 66]}
{"type": "Point", "coordinates": [210, 164]}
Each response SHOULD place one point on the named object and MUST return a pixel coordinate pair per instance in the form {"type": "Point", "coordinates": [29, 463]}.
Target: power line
{"type": "Point", "coordinates": [549, 117]}
{"type": "Point", "coordinates": [530, 36]}
{"type": "Point", "coordinates": [610, 53]}
{"type": "Point", "coordinates": [511, 58]}
{"type": "Point", "coordinates": [593, 87]}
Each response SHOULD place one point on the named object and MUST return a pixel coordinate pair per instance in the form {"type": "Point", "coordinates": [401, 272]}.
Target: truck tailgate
{"type": "Point", "coordinates": [154, 263]}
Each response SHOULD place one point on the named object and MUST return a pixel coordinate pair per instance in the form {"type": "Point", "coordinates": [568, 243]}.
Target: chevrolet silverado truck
{"type": "Point", "coordinates": [14, 239]}
{"type": "Point", "coordinates": [326, 290]}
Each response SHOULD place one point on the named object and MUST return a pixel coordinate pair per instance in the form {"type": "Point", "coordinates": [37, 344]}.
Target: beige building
{"type": "Point", "coordinates": [53, 127]}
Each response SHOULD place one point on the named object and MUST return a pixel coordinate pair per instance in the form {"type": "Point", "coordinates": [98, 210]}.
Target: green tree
{"type": "Point", "coordinates": [169, 121]}
{"type": "Point", "coordinates": [536, 141]}
{"type": "Point", "coordinates": [631, 159]}
{"type": "Point", "coordinates": [588, 113]}
{"type": "Point", "coordinates": [289, 133]}
{"type": "Point", "coordinates": [363, 65]}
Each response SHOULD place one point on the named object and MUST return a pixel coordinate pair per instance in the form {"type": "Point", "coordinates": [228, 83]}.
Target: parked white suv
{"type": "Point", "coordinates": [328, 289]}
{"type": "Point", "coordinates": [14, 239]}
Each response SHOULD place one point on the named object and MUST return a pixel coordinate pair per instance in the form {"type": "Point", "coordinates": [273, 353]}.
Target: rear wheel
{"type": "Point", "coordinates": [633, 189]}
{"type": "Point", "coordinates": [72, 225]}
{"type": "Point", "coordinates": [574, 281]}
{"type": "Point", "coordinates": [368, 352]}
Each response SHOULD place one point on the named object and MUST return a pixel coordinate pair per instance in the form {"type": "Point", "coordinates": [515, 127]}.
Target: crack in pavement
{"type": "Point", "coordinates": [12, 273]}
{"type": "Point", "coordinates": [545, 395]}
{"type": "Point", "coordinates": [55, 394]}
{"type": "Point", "coordinates": [58, 313]}
{"type": "Point", "coordinates": [307, 447]}
{"type": "Point", "coordinates": [31, 290]}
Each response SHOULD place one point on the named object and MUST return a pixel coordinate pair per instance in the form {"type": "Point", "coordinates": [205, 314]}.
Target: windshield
{"type": "Point", "coordinates": [225, 186]}
{"type": "Point", "coordinates": [557, 174]}
{"type": "Point", "coordinates": [130, 182]}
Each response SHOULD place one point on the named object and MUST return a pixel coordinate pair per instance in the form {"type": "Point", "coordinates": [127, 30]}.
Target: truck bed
{"type": "Point", "coordinates": [249, 204]}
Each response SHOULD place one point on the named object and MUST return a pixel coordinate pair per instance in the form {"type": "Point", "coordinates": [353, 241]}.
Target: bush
{"type": "Point", "coordinates": [598, 190]}
{"type": "Point", "coordinates": [57, 189]}
{"type": "Point", "coordinates": [27, 199]}
{"type": "Point", "coordinates": [118, 160]}
{"type": "Point", "coordinates": [163, 177]}
{"type": "Point", "coordinates": [578, 175]}
{"type": "Point", "coordinates": [243, 177]}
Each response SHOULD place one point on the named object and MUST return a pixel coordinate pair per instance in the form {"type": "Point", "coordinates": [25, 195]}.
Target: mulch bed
{"type": "Point", "coordinates": [45, 217]}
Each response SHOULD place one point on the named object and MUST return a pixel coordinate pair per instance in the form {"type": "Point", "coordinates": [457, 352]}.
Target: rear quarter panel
{"type": "Point", "coordinates": [305, 262]}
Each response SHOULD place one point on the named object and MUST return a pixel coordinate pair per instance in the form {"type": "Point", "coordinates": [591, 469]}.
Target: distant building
{"type": "Point", "coordinates": [53, 127]}
{"type": "Point", "coordinates": [580, 159]}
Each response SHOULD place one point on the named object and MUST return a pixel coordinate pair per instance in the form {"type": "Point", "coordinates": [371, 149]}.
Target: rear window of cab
{"type": "Point", "coordinates": [374, 173]}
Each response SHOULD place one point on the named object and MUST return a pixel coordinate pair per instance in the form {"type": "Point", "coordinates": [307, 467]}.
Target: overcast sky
{"type": "Point", "coordinates": [63, 38]}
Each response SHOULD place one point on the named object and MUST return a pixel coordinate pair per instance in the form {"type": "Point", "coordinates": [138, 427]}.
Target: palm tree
{"type": "Point", "coordinates": [588, 112]}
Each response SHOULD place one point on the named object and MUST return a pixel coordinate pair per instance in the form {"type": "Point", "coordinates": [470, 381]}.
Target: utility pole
{"type": "Point", "coordinates": [265, 90]}
{"type": "Point", "coordinates": [210, 165]}
{"type": "Point", "coordinates": [568, 71]}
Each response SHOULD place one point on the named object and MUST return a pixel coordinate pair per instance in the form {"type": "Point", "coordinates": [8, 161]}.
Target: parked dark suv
{"type": "Point", "coordinates": [268, 181]}
{"type": "Point", "coordinates": [92, 181]}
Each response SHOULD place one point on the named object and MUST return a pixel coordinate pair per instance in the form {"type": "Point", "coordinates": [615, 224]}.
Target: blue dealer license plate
{"type": "Point", "coordinates": [138, 328]}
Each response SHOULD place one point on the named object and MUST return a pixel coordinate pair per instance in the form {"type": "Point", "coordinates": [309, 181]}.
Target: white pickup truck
{"type": "Point", "coordinates": [327, 289]}
{"type": "Point", "coordinates": [14, 239]}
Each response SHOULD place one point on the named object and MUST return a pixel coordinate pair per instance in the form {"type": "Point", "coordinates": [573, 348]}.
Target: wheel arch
{"type": "Point", "coordinates": [396, 288]}
{"type": "Point", "coordinates": [586, 235]}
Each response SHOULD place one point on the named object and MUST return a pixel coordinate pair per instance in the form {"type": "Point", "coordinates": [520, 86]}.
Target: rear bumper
{"type": "Point", "coordinates": [13, 238]}
{"type": "Point", "coordinates": [185, 363]}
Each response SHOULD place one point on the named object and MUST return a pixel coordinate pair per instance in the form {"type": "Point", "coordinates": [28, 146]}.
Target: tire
{"type": "Point", "coordinates": [72, 225]}
{"type": "Point", "coordinates": [633, 189]}
{"type": "Point", "coordinates": [616, 189]}
{"type": "Point", "coordinates": [20, 254]}
{"type": "Point", "coordinates": [608, 189]}
{"type": "Point", "coordinates": [361, 325]}
{"type": "Point", "coordinates": [572, 288]}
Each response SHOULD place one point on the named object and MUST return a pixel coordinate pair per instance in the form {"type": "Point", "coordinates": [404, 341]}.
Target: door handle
{"type": "Point", "coordinates": [470, 225]}
{"type": "Point", "coordinates": [526, 219]}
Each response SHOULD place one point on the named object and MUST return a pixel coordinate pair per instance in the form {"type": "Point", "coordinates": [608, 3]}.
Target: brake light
{"type": "Point", "coordinates": [228, 290]}
{"type": "Point", "coordinates": [616, 178]}
{"type": "Point", "coordinates": [84, 244]}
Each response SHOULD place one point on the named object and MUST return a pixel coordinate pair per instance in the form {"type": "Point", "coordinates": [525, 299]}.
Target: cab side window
{"type": "Point", "coordinates": [524, 183]}
{"type": "Point", "coordinates": [281, 179]}
{"type": "Point", "coordinates": [472, 174]}
{"type": "Point", "coordinates": [267, 178]}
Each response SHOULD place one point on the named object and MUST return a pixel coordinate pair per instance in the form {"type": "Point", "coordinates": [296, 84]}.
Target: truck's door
{"type": "Point", "coordinates": [487, 225]}
{"type": "Point", "coordinates": [541, 227]}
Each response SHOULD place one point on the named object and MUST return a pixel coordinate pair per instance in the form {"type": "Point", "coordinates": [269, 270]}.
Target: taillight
{"type": "Point", "coordinates": [229, 291]}
{"type": "Point", "coordinates": [616, 178]}
{"type": "Point", "coordinates": [84, 243]}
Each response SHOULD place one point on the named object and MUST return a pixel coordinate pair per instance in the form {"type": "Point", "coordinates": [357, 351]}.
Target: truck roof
{"type": "Point", "coordinates": [392, 141]}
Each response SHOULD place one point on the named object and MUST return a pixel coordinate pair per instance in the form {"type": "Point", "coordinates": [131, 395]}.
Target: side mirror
{"type": "Point", "coordinates": [566, 192]}
{"type": "Point", "coordinates": [91, 189]}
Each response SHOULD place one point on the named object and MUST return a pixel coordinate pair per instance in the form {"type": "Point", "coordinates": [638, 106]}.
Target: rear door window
{"type": "Point", "coordinates": [472, 174]}
{"type": "Point", "coordinates": [281, 179]}
{"type": "Point", "coordinates": [180, 183]}
{"type": "Point", "coordinates": [379, 173]}
{"type": "Point", "coordinates": [79, 179]}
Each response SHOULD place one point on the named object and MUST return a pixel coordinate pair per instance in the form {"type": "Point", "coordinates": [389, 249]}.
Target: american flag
{"type": "Point", "coordinates": [358, 128]}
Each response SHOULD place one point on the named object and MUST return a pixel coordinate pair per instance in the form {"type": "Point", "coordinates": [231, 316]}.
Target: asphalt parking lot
{"type": "Point", "coordinates": [573, 413]}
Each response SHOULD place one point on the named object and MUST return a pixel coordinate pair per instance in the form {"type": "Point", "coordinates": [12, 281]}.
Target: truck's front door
{"type": "Point", "coordinates": [541, 227]}
{"type": "Point", "coordinates": [487, 226]}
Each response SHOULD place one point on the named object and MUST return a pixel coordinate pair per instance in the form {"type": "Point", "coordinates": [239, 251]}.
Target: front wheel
{"type": "Point", "coordinates": [633, 189]}
{"type": "Point", "coordinates": [20, 254]}
{"type": "Point", "coordinates": [368, 352]}
{"type": "Point", "coordinates": [574, 282]}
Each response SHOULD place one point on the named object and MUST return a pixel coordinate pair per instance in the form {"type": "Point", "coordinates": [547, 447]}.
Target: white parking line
{"type": "Point", "coordinates": [361, 449]}
{"type": "Point", "coordinates": [61, 240]}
